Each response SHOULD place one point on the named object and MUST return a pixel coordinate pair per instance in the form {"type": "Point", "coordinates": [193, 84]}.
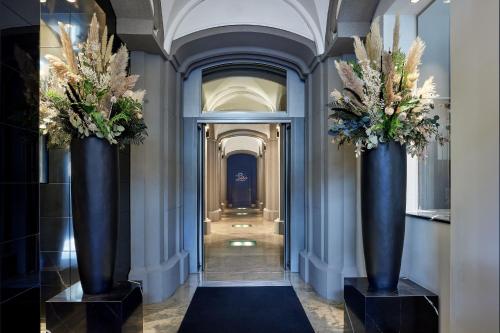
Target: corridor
{"type": "Point", "coordinates": [243, 246]}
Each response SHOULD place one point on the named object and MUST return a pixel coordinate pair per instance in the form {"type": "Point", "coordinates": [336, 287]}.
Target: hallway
{"type": "Point", "coordinates": [259, 256]}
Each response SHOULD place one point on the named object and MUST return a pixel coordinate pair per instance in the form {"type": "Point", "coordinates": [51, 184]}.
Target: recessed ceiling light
{"type": "Point", "coordinates": [242, 225]}
{"type": "Point", "coordinates": [71, 1]}
{"type": "Point", "coordinates": [414, 1]}
{"type": "Point", "coordinates": [43, 1]}
{"type": "Point", "coordinates": [241, 213]}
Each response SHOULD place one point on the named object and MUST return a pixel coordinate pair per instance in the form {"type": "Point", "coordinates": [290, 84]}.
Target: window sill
{"type": "Point", "coordinates": [441, 216]}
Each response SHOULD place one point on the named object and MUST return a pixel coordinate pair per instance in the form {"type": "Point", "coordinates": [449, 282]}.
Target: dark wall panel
{"type": "Point", "coordinates": [241, 180]}
{"type": "Point", "coordinates": [19, 188]}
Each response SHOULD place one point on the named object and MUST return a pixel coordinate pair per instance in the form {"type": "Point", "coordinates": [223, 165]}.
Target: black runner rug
{"type": "Point", "coordinates": [245, 310]}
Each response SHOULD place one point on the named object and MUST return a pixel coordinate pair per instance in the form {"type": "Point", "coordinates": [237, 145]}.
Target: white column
{"type": "Point", "coordinates": [260, 179]}
{"type": "Point", "coordinates": [223, 180]}
{"type": "Point", "coordinates": [212, 199]}
{"type": "Point", "coordinates": [218, 166]}
{"type": "Point", "coordinates": [271, 210]}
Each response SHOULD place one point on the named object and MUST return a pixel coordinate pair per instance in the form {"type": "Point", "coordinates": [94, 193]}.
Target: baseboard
{"type": "Point", "coordinates": [326, 280]}
{"type": "Point", "coordinates": [160, 282]}
{"type": "Point", "coordinates": [279, 227]}
{"type": "Point", "coordinates": [270, 215]}
{"type": "Point", "coordinates": [215, 215]}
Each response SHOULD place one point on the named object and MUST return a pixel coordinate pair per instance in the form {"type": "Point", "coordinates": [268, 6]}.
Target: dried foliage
{"type": "Point", "coordinates": [380, 101]}
{"type": "Point", "coordinates": [90, 93]}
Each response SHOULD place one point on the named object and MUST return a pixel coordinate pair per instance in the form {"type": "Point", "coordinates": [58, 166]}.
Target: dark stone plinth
{"type": "Point", "coordinates": [411, 309]}
{"type": "Point", "coordinates": [118, 311]}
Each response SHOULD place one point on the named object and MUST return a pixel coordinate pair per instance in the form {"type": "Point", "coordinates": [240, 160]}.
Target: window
{"type": "Point", "coordinates": [254, 88]}
{"type": "Point", "coordinates": [433, 26]}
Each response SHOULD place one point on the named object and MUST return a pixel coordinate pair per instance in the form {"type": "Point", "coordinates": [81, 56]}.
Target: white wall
{"type": "Point", "coordinates": [474, 166]}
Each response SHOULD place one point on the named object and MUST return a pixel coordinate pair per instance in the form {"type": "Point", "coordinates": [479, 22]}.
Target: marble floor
{"type": "Point", "coordinates": [261, 264]}
{"type": "Point", "coordinates": [263, 261]}
{"type": "Point", "coordinates": [166, 317]}
{"type": "Point", "coordinates": [253, 265]}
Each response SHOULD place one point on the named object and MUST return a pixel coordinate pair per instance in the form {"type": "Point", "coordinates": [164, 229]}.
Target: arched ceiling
{"type": "Point", "coordinates": [307, 18]}
{"type": "Point", "coordinates": [242, 143]}
{"type": "Point", "coordinates": [225, 128]}
{"type": "Point", "coordinates": [242, 137]}
{"type": "Point", "coordinates": [242, 93]}
{"type": "Point", "coordinates": [328, 25]}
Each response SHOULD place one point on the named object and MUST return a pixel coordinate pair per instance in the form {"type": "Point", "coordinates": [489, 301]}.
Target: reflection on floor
{"type": "Point", "coordinates": [261, 264]}
{"type": "Point", "coordinates": [242, 246]}
{"type": "Point", "coordinates": [243, 265]}
{"type": "Point", "coordinates": [325, 317]}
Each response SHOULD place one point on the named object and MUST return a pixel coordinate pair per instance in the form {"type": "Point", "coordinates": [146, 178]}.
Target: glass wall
{"type": "Point", "coordinates": [19, 200]}
{"type": "Point", "coordinates": [243, 88]}
{"type": "Point", "coordinates": [434, 168]}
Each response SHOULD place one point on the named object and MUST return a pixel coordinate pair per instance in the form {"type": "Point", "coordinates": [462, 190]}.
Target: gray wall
{"type": "Point", "coordinates": [329, 255]}
{"type": "Point", "coordinates": [426, 260]}
{"type": "Point", "coordinates": [157, 258]}
{"type": "Point", "coordinates": [474, 169]}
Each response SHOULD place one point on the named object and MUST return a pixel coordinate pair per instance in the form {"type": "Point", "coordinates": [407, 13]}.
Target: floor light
{"type": "Point", "coordinates": [242, 243]}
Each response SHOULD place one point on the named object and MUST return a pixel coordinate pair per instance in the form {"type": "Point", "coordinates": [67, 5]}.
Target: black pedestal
{"type": "Point", "coordinates": [412, 309]}
{"type": "Point", "coordinates": [118, 311]}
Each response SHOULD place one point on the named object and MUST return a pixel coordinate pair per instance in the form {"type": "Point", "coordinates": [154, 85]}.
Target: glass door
{"type": "Point", "coordinates": [285, 189]}
{"type": "Point", "coordinates": [201, 195]}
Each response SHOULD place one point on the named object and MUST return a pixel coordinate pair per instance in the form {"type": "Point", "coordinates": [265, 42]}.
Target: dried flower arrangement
{"type": "Point", "coordinates": [90, 93]}
{"type": "Point", "coordinates": [380, 100]}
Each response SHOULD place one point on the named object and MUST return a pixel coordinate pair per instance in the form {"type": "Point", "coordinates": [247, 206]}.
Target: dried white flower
{"type": "Point", "coordinates": [336, 95]}
{"type": "Point", "coordinates": [389, 111]}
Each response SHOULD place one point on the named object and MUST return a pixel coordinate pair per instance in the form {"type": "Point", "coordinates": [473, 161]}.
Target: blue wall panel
{"type": "Point", "coordinates": [241, 180]}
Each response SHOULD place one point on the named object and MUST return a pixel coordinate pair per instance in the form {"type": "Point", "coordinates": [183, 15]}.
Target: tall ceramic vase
{"type": "Point", "coordinates": [383, 204]}
{"type": "Point", "coordinates": [94, 194]}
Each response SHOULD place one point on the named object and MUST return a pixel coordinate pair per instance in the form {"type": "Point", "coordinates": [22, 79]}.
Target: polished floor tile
{"type": "Point", "coordinates": [227, 265]}
{"type": "Point", "coordinates": [243, 266]}
{"type": "Point", "coordinates": [262, 261]}
{"type": "Point", "coordinates": [166, 317]}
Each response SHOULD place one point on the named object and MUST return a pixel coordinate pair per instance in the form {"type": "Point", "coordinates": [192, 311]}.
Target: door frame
{"type": "Point", "coordinates": [285, 178]}
{"type": "Point", "coordinates": [192, 116]}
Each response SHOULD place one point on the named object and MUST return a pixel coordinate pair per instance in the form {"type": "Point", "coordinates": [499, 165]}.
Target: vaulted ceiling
{"type": "Point", "coordinates": [159, 25]}
{"type": "Point", "coordinates": [307, 18]}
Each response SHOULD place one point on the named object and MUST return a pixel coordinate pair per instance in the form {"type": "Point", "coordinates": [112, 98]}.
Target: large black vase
{"type": "Point", "coordinates": [94, 195]}
{"type": "Point", "coordinates": [383, 204]}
